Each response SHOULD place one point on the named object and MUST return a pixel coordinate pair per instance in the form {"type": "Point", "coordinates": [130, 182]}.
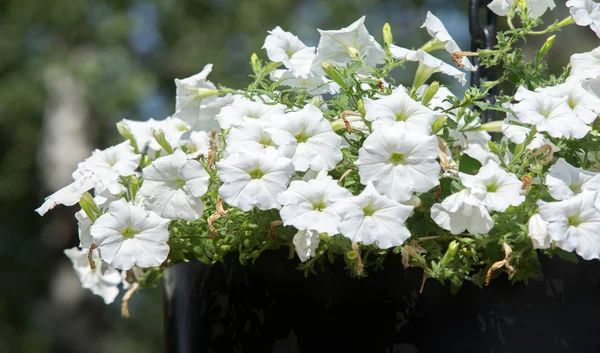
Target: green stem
{"type": "Point", "coordinates": [262, 74]}
{"type": "Point", "coordinates": [509, 21]}
{"type": "Point", "coordinates": [523, 147]}
{"type": "Point", "coordinates": [553, 27]}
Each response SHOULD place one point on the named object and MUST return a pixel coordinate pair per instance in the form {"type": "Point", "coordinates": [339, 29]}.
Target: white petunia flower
{"type": "Point", "coordinates": [310, 204]}
{"type": "Point", "coordinates": [307, 138]}
{"type": "Point", "coordinates": [469, 133]}
{"type": "Point", "coordinates": [592, 85]}
{"type": "Point", "coordinates": [398, 106]}
{"type": "Point", "coordinates": [373, 218]}
{"type": "Point", "coordinates": [548, 113]}
{"type": "Point", "coordinates": [141, 131]}
{"type": "Point", "coordinates": [172, 187]}
{"type": "Point", "coordinates": [462, 211]}
{"type": "Point", "coordinates": [585, 13]}
{"type": "Point", "coordinates": [207, 116]}
{"type": "Point", "coordinates": [70, 194]}
{"type": "Point", "coordinates": [190, 94]}
{"type": "Point", "coordinates": [195, 143]}
{"type": "Point", "coordinates": [254, 178]}
{"type": "Point", "coordinates": [574, 224]}
{"type": "Point", "coordinates": [399, 162]}
{"type": "Point", "coordinates": [586, 65]}
{"type": "Point", "coordinates": [286, 48]}
{"type": "Point", "coordinates": [109, 165]}
{"type": "Point", "coordinates": [538, 232]}
{"type": "Point", "coordinates": [104, 198]}
{"type": "Point", "coordinates": [536, 8]}
{"type": "Point", "coordinates": [306, 242]}
{"type": "Point", "coordinates": [83, 227]}
{"type": "Point", "coordinates": [128, 235]}
{"type": "Point", "coordinates": [349, 43]}
{"type": "Point", "coordinates": [439, 33]}
{"type": "Point", "coordinates": [565, 181]}
{"type": "Point", "coordinates": [243, 108]}
{"type": "Point", "coordinates": [584, 103]}
{"type": "Point", "coordinates": [513, 132]}
{"type": "Point", "coordinates": [496, 188]}
{"type": "Point", "coordinates": [518, 134]}
{"type": "Point", "coordinates": [428, 64]}
{"type": "Point", "coordinates": [250, 135]}
{"type": "Point", "coordinates": [540, 140]}
{"type": "Point", "coordinates": [103, 281]}
{"type": "Point", "coordinates": [309, 175]}
{"type": "Point", "coordinates": [194, 94]}
{"type": "Point", "coordinates": [481, 153]}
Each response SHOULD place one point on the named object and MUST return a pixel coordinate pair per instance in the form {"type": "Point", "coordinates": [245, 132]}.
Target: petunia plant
{"type": "Point", "coordinates": [323, 153]}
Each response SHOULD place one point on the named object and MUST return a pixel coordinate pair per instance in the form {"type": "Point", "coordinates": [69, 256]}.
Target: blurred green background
{"type": "Point", "coordinates": [70, 69]}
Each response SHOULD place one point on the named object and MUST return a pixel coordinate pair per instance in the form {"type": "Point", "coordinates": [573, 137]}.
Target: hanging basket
{"type": "Point", "coordinates": [271, 307]}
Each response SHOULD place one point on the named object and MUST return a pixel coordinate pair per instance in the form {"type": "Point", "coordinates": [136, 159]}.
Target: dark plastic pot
{"type": "Point", "coordinates": [271, 307]}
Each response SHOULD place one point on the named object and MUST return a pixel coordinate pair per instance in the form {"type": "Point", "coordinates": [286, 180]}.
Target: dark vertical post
{"type": "Point", "coordinates": [483, 36]}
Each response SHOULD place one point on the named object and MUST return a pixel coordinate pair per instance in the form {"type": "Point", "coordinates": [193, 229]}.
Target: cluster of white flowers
{"type": "Point", "coordinates": [270, 155]}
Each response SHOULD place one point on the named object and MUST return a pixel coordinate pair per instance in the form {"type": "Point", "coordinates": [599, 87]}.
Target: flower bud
{"type": "Point", "coordinates": [360, 106]}
{"type": "Point", "coordinates": [338, 125]}
{"type": "Point", "coordinates": [433, 88]}
{"type": "Point", "coordinates": [438, 124]}
{"type": "Point", "coordinates": [125, 131]}
{"type": "Point", "coordinates": [316, 101]}
{"type": "Point", "coordinates": [522, 5]}
{"type": "Point", "coordinates": [89, 206]}
{"type": "Point", "coordinates": [255, 63]}
{"type": "Point", "coordinates": [492, 126]}
{"type": "Point", "coordinates": [538, 232]}
{"type": "Point", "coordinates": [159, 136]}
{"type": "Point", "coordinates": [414, 201]}
{"type": "Point", "coordinates": [545, 48]}
{"type": "Point", "coordinates": [323, 236]}
{"type": "Point", "coordinates": [145, 161]}
{"type": "Point", "coordinates": [452, 248]}
{"type": "Point", "coordinates": [135, 183]}
{"type": "Point", "coordinates": [387, 34]}
{"type": "Point", "coordinates": [450, 253]}
{"type": "Point", "coordinates": [333, 73]}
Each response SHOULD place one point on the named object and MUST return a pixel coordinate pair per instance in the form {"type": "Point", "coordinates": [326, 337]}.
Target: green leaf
{"type": "Point", "coordinates": [446, 185]}
{"type": "Point", "coordinates": [487, 106]}
{"type": "Point", "coordinates": [469, 165]}
{"type": "Point", "coordinates": [565, 255]}
{"type": "Point", "coordinates": [455, 284]}
{"type": "Point", "coordinates": [330, 257]}
{"type": "Point", "coordinates": [495, 251]}
{"type": "Point", "coordinates": [451, 123]}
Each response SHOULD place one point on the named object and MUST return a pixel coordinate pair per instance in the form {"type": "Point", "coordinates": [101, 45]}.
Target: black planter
{"type": "Point", "coordinates": [271, 307]}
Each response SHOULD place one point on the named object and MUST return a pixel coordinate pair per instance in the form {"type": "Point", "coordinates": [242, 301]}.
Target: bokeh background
{"type": "Point", "coordinates": [70, 69]}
